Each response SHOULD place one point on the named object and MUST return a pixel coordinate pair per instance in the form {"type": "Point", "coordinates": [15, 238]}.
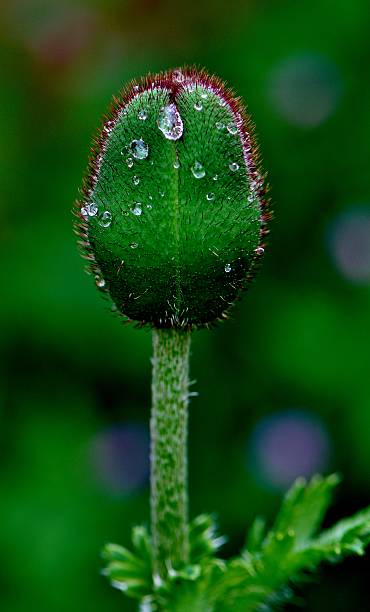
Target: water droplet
{"type": "Point", "coordinates": [204, 95]}
{"type": "Point", "coordinates": [130, 162]}
{"type": "Point", "coordinates": [250, 198]}
{"type": "Point", "coordinates": [259, 250]}
{"type": "Point", "coordinates": [106, 219]}
{"type": "Point", "coordinates": [215, 178]}
{"type": "Point", "coordinates": [198, 170]}
{"type": "Point", "coordinates": [150, 197]}
{"type": "Point", "coordinates": [176, 164]}
{"type": "Point", "coordinates": [135, 180]}
{"type": "Point", "coordinates": [137, 209]}
{"type": "Point", "coordinates": [234, 166]}
{"type": "Point", "coordinates": [210, 196]}
{"type": "Point", "coordinates": [161, 193]}
{"type": "Point", "coordinates": [149, 206]}
{"type": "Point", "coordinates": [198, 106]}
{"type": "Point", "coordinates": [136, 87]}
{"type": "Point", "coordinates": [139, 149]}
{"type": "Point", "coordinates": [228, 268]}
{"type": "Point", "coordinates": [142, 114]}
{"type": "Point", "coordinates": [84, 212]}
{"type": "Point", "coordinates": [220, 125]}
{"type": "Point", "coordinates": [91, 209]}
{"type": "Point", "coordinates": [178, 76]}
{"type": "Point", "coordinates": [232, 129]}
{"type": "Point", "coordinates": [133, 245]}
{"type": "Point", "coordinates": [170, 122]}
{"type": "Point", "coordinates": [222, 102]}
{"type": "Point", "coordinates": [100, 282]}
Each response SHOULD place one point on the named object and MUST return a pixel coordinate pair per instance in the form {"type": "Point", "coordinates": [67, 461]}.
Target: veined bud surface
{"type": "Point", "coordinates": [173, 213]}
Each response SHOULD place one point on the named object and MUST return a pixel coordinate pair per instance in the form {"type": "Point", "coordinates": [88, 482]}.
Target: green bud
{"type": "Point", "coordinates": [173, 214]}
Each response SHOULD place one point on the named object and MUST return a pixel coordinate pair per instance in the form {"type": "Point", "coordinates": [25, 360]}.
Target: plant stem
{"type": "Point", "coordinates": [169, 428]}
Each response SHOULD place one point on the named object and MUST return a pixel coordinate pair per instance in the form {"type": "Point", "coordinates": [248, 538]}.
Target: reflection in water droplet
{"type": "Point", "coordinates": [91, 209]}
{"type": "Point", "coordinates": [228, 268]}
{"type": "Point", "coordinates": [178, 76]}
{"type": "Point", "coordinates": [134, 245]}
{"type": "Point", "coordinates": [135, 180]}
{"type": "Point", "coordinates": [219, 125]}
{"type": "Point", "coordinates": [106, 219]}
{"type": "Point", "coordinates": [142, 114]}
{"type": "Point", "coordinates": [170, 122]}
{"type": "Point", "coordinates": [232, 129]}
{"type": "Point", "coordinates": [210, 196]}
{"type": "Point", "coordinates": [234, 166]}
{"type": "Point", "coordinates": [139, 149]}
{"type": "Point", "coordinates": [198, 106]}
{"type": "Point", "coordinates": [198, 170]}
{"type": "Point", "coordinates": [137, 210]}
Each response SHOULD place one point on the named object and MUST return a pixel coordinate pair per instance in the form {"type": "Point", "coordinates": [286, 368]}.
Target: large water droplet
{"type": "Point", "coordinates": [142, 114]}
{"type": "Point", "coordinates": [198, 170]}
{"type": "Point", "coordinates": [234, 166]}
{"type": "Point", "coordinates": [106, 219]}
{"type": "Point", "coordinates": [135, 180]}
{"type": "Point", "coordinates": [232, 129]}
{"type": "Point", "coordinates": [210, 196]}
{"type": "Point", "coordinates": [170, 122]}
{"type": "Point", "coordinates": [228, 268]}
{"type": "Point", "coordinates": [137, 210]}
{"type": "Point", "coordinates": [92, 209]}
{"type": "Point", "coordinates": [139, 149]}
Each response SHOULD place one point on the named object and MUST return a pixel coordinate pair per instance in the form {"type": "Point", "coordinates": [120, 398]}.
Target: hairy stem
{"type": "Point", "coordinates": [168, 428]}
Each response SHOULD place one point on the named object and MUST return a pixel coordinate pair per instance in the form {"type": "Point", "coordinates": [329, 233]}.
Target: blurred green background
{"type": "Point", "coordinates": [284, 387]}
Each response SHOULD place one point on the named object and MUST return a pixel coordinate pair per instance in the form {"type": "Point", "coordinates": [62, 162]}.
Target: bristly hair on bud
{"type": "Point", "coordinates": [172, 218]}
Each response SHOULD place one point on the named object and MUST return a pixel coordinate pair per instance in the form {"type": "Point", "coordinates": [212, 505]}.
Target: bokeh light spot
{"type": "Point", "coordinates": [287, 445]}
{"type": "Point", "coordinates": [349, 243]}
{"type": "Point", "coordinates": [305, 89]}
{"type": "Point", "coordinates": [120, 458]}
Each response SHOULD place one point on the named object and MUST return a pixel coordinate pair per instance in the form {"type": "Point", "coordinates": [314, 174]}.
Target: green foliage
{"type": "Point", "coordinates": [172, 216]}
{"type": "Point", "coordinates": [262, 577]}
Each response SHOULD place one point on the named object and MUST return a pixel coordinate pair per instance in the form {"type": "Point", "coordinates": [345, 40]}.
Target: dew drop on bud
{"type": "Point", "coordinates": [137, 210]}
{"type": "Point", "coordinates": [139, 149]}
{"type": "Point", "coordinates": [135, 180]}
{"type": "Point", "coordinates": [198, 170]}
{"type": "Point", "coordinates": [198, 106]}
{"type": "Point", "coordinates": [219, 125]}
{"type": "Point", "coordinates": [210, 196]}
{"type": "Point", "coordinates": [232, 129]}
{"type": "Point", "coordinates": [142, 115]}
{"type": "Point", "coordinates": [228, 268]}
{"type": "Point", "coordinates": [134, 245]}
{"type": "Point", "coordinates": [106, 219]}
{"type": "Point", "coordinates": [170, 122]}
{"type": "Point", "coordinates": [234, 166]}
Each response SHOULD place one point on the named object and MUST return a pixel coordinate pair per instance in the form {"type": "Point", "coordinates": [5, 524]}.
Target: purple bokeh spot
{"type": "Point", "coordinates": [120, 458]}
{"type": "Point", "coordinates": [287, 445]}
{"type": "Point", "coordinates": [349, 243]}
